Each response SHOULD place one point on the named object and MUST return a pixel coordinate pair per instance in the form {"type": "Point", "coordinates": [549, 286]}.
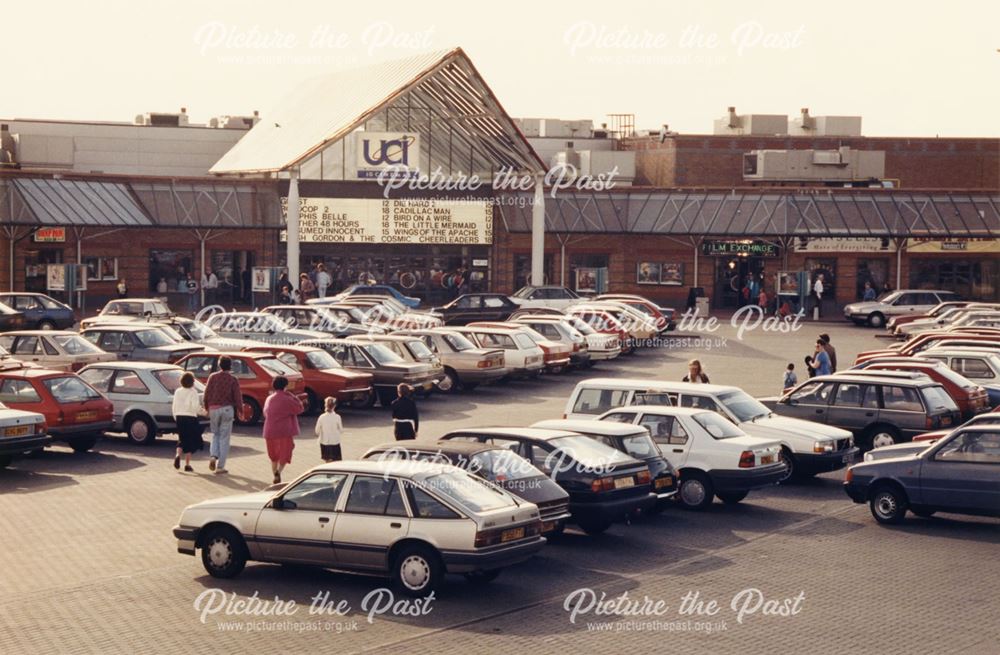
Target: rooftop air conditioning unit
{"type": "Point", "coordinates": [235, 122]}
{"type": "Point", "coordinates": [160, 119]}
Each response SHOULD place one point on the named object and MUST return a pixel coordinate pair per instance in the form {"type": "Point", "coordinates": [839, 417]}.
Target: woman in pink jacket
{"type": "Point", "coordinates": [281, 425]}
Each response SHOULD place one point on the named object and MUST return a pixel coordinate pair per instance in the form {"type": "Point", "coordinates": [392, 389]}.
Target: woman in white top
{"type": "Point", "coordinates": [329, 429]}
{"type": "Point", "coordinates": [186, 409]}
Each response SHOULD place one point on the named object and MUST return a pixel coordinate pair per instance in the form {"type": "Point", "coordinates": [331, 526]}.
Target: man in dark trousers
{"type": "Point", "coordinates": [405, 418]}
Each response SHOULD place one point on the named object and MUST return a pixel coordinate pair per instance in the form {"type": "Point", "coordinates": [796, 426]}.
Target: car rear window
{"type": "Point", "coordinates": [70, 389]}
{"type": "Point", "coordinates": [75, 345]}
{"type": "Point", "coordinates": [275, 366]}
{"type": "Point", "coordinates": [937, 398]}
{"type": "Point", "coordinates": [588, 452]}
{"type": "Point", "coordinates": [467, 491]}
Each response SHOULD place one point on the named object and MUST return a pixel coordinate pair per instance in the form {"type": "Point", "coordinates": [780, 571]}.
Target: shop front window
{"type": "Point", "coordinates": [874, 271]}
{"type": "Point", "coordinates": [522, 270]}
{"type": "Point", "coordinates": [36, 265]}
{"type": "Point", "coordinates": [972, 280]}
{"type": "Point", "coordinates": [170, 266]}
{"type": "Point", "coordinates": [588, 273]}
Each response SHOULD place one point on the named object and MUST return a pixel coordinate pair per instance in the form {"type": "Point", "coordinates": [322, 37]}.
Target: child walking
{"type": "Point", "coordinates": [790, 378]}
{"type": "Point", "coordinates": [329, 429]}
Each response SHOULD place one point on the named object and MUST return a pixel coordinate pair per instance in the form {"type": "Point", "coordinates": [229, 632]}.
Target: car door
{"type": "Point", "coordinates": [301, 527]}
{"type": "Point", "coordinates": [846, 410]}
{"type": "Point", "coordinates": [670, 435]}
{"type": "Point", "coordinates": [373, 518]}
{"type": "Point", "coordinates": [810, 402]}
{"type": "Point", "coordinates": [963, 473]}
{"type": "Point", "coordinates": [465, 310]}
{"type": "Point", "coordinates": [27, 348]}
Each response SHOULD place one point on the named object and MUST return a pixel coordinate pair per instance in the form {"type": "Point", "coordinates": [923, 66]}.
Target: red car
{"type": "Point", "coordinates": [969, 396]}
{"type": "Point", "coordinates": [323, 375]}
{"type": "Point", "coordinates": [255, 372]}
{"type": "Point", "coordinates": [925, 340]}
{"type": "Point", "coordinates": [75, 412]}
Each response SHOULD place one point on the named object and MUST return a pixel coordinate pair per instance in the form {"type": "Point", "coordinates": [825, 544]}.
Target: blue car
{"type": "Point", "coordinates": [380, 290]}
{"type": "Point", "coordinates": [40, 312]}
{"type": "Point", "coordinates": [960, 473]}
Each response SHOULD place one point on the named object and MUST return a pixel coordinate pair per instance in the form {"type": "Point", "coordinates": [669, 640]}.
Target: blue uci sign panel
{"type": "Point", "coordinates": [393, 152]}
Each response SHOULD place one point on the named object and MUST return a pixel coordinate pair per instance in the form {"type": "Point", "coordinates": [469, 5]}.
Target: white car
{"type": "Point", "coordinates": [522, 356]}
{"type": "Point", "coordinates": [712, 456]}
{"type": "Point", "coordinates": [260, 327]}
{"type": "Point", "coordinates": [413, 521]}
{"type": "Point", "coordinates": [127, 310]}
{"type": "Point", "coordinates": [545, 296]}
{"type": "Point", "coordinates": [59, 350]}
{"type": "Point", "coordinates": [807, 448]}
{"type": "Point", "coordinates": [21, 432]}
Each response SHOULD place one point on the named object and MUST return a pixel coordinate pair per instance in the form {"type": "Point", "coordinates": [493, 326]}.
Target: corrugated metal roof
{"type": "Point", "coordinates": [325, 109]}
{"type": "Point", "coordinates": [79, 202]}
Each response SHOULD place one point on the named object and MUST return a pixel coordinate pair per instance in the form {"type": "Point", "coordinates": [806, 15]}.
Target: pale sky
{"type": "Point", "coordinates": [909, 68]}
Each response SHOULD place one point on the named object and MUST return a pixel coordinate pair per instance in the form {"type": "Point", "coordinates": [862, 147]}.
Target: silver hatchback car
{"type": "Point", "coordinates": [142, 394]}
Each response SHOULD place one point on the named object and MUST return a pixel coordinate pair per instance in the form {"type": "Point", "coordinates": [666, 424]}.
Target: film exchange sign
{"type": "Point", "coordinates": [407, 221]}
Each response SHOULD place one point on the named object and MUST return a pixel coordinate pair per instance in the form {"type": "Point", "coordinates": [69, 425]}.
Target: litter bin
{"type": "Point", "coordinates": [701, 306]}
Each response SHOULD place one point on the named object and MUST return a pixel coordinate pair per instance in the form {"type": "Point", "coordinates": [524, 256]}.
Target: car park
{"type": "Point", "coordinates": [522, 356]}
{"type": "Point", "coordinates": [878, 410]}
{"type": "Point", "coordinates": [634, 441]}
{"type": "Point", "coordinates": [600, 346]}
{"type": "Point", "coordinates": [466, 365]}
{"type": "Point", "coordinates": [142, 394]}
{"type": "Point", "coordinates": [127, 310]}
{"type": "Point", "coordinates": [496, 464]}
{"type": "Point", "coordinates": [969, 396]}
{"type": "Point", "coordinates": [74, 411]}
{"type": "Point", "coordinates": [551, 296]}
{"type": "Point", "coordinates": [959, 473]}
{"type": "Point", "coordinates": [259, 326]}
{"type": "Point", "coordinates": [379, 290]}
{"type": "Point", "coordinates": [66, 351]}
{"type": "Point", "coordinates": [40, 311]}
{"type": "Point", "coordinates": [941, 316]}
{"type": "Point", "coordinates": [255, 373]}
{"type": "Point", "coordinates": [604, 485]}
{"type": "Point", "coordinates": [979, 366]}
{"type": "Point", "coordinates": [388, 370]}
{"type": "Point", "coordinates": [11, 319]}
{"type": "Point", "coordinates": [21, 433]}
{"type": "Point", "coordinates": [411, 521]}
{"type": "Point", "coordinates": [323, 376]}
{"type": "Point", "coordinates": [556, 356]}
{"type": "Point", "coordinates": [712, 457]}
{"type": "Point", "coordinates": [471, 307]}
{"type": "Point", "coordinates": [139, 342]}
{"type": "Point", "coordinates": [383, 314]}
{"type": "Point", "coordinates": [560, 331]}
{"type": "Point", "coordinates": [874, 313]}
{"type": "Point", "coordinates": [807, 447]}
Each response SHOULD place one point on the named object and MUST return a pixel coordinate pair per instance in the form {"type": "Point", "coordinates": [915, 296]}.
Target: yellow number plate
{"type": "Point", "coordinates": [17, 431]}
{"type": "Point", "coordinates": [86, 416]}
{"type": "Point", "coordinates": [512, 534]}
{"type": "Point", "coordinates": [664, 482]}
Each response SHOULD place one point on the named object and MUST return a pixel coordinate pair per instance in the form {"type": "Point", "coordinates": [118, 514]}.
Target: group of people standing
{"type": "Point", "coordinates": [822, 361]}
{"type": "Point", "coordinates": [313, 284]}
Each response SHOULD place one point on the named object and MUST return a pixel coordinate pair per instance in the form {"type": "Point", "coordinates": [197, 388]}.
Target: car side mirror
{"type": "Point", "coordinates": [281, 504]}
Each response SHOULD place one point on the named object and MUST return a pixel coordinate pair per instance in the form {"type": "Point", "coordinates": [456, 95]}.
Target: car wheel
{"type": "Point", "coordinates": [790, 471]}
{"type": "Point", "coordinates": [888, 504]}
{"type": "Point", "coordinates": [83, 444]}
{"type": "Point", "coordinates": [140, 428]}
{"type": "Point", "coordinates": [878, 436]}
{"type": "Point", "coordinates": [223, 553]}
{"type": "Point", "coordinates": [250, 415]}
{"type": "Point", "coordinates": [731, 497]}
{"type": "Point", "coordinates": [417, 570]}
{"type": "Point", "coordinates": [483, 577]}
{"type": "Point", "coordinates": [594, 528]}
{"type": "Point", "coordinates": [450, 383]}
{"type": "Point", "coordinates": [876, 320]}
{"type": "Point", "coordinates": [695, 490]}
{"type": "Point", "coordinates": [313, 406]}
{"type": "Point", "coordinates": [923, 513]}
{"type": "Point", "coordinates": [46, 325]}
{"type": "Point", "coordinates": [364, 403]}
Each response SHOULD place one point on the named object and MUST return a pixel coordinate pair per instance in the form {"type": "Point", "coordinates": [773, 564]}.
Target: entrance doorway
{"type": "Point", "coordinates": [732, 276]}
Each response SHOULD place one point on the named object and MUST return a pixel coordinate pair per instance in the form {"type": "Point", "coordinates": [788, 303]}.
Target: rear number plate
{"type": "Point", "coordinates": [512, 534]}
{"type": "Point", "coordinates": [624, 483]}
{"type": "Point", "coordinates": [86, 416]}
{"type": "Point", "coordinates": [664, 482]}
{"type": "Point", "coordinates": [767, 459]}
{"type": "Point", "coordinates": [17, 431]}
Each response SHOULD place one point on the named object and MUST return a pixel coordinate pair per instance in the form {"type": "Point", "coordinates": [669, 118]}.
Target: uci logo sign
{"type": "Point", "coordinates": [381, 150]}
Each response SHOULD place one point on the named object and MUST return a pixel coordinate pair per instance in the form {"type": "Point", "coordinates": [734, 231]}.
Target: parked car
{"type": "Point", "coordinates": [807, 448]}
{"type": "Point", "coordinates": [471, 307]}
{"type": "Point", "coordinates": [259, 326]}
{"type": "Point", "coordinates": [969, 396]}
{"type": "Point", "coordinates": [556, 356]}
{"type": "Point", "coordinates": [663, 317]}
{"type": "Point", "coordinates": [21, 433]}
{"type": "Point", "coordinates": [932, 339]}
{"type": "Point", "coordinates": [639, 327]}
{"type": "Point", "coordinates": [142, 394]}
{"type": "Point", "coordinates": [466, 365]}
{"type": "Point", "coordinates": [545, 296]}
{"type": "Point", "coordinates": [125, 310]}
{"type": "Point", "coordinates": [74, 411]}
{"type": "Point", "coordinates": [711, 455]}
{"type": "Point", "coordinates": [560, 331]}
{"type": "Point", "coordinates": [323, 376]}
{"type": "Point", "coordinates": [604, 485]}
{"type": "Point", "coordinates": [387, 368]}
{"type": "Point", "coordinates": [935, 311]}
{"type": "Point", "coordinates": [389, 313]}
{"type": "Point", "coordinates": [874, 313]}
{"type": "Point", "coordinates": [66, 351]}
{"type": "Point", "coordinates": [332, 320]}
{"type": "Point", "coordinates": [139, 342]}
{"type": "Point", "coordinates": [603, 322]}
{"type": "Point", "coordinates": [500, 466]}
{"type": "Point", "coordinates": [196, 332]}
{"type": "Point", "coordinates": [979, 366]}
{"type": "Point", "coordinates": [413, 521]}
{"type": "Point", "coordinates": [410, 349]}
{"type": "Point", "coordinates": [11, 319]}
{"type": "Point", "coordinates": [379, 290]}
{"type": "Point", "coordinates": [601, 346]}
{"type": "Point", "coordinates": [960, 474]}
{"type": "Point", "coordinates": [989, 418]}
{"type": "Point", "coordinates": [634, 441]}
{"type": "Point", "coordinates": [878, 410]}
{"type": "Point", "coordinates": [523, 357]}
{"type": "Point", "coordinates": [40, 311]}
{"type": "Point", "coordinates": [255, 373]}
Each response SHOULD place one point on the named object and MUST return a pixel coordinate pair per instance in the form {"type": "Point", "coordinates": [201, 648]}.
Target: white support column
{"type": "Point", "coordinates": [899, 264]}
{"type": "Point", "coordinates": [292, 227]}
{"type": "Point", "coordinates": [538, 233]}
{"type": "Point", "coordinates": [201, 287]}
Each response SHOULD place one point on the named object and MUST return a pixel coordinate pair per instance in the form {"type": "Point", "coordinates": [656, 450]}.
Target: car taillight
{"type": "Point", "coordinates": [643, 477]}
{"type": "Point", "coordinates": [41, 428]}
{"type": "Point", "coordinates": [849, 475]}
{"type": "Point", "coordinates": [60, 417]}
{"type": "Point", "coordinates": [602, 484]}
{"type": "Point", "coordinates": [484, 363]}
{"type": "Point", "coordinates": [747, 459]}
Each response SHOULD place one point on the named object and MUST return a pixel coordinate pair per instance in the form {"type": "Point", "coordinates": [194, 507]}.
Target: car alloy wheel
{"type": "Point", "coordinates": [880, 439]}
{"type": "Point", "coordinates": [693, 492]}
{"type": "Point", "coordinates": [415, 572]}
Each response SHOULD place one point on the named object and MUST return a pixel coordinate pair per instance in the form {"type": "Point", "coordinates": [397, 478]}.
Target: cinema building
{"type": "Point", "coordinates": [336, 174]}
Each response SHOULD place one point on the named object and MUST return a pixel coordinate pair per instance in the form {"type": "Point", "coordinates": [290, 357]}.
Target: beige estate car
{"type": "Point", "coordinates": [412, 521]}
{"type": "Point", "coordinates": [59, 350]}
{"type": "Point", "coordinates": [466, 365]}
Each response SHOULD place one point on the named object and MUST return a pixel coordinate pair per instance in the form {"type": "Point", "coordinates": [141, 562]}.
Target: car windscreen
{"type": "Point", "coordinates": [717, 426]}
{"type": "Point", "coordinates": [458, 342]}
{"type": "Point", "coordinates": [152, 338]}
{"type": "Point", "coordinates": [275, 366]}
{"type": "Point", "coordinates": [465, 490]}
{"type": "Point", "coordinates": [70, 389]}
{"type": "Point", "coordinates": [588, 452]}
{"type": "Point", "coordinates": [937, 398]}
{"type": "Point", "coordinates": [381, 354]}
{"type": "Point", "coordinates": [321, 359]}
{"type": "Point", "coordinates": [523, 292]}
{"type": "Point", "coordinates": [743, 406]}
{"type": "Point", "coordinates": [581, 325]}
{"type": "Point", "coordinates": [72, 344]}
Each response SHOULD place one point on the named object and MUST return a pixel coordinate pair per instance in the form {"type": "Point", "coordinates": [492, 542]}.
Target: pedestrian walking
{"type": "Point", "coordinates": [186, 409]}
{"type": "Point", "coordinates": [695, 373]}
{"type": "Point", "coordinates": [790, 379]}
{"type": "Point", "coordinates": [122, 288]}
{"type": "Point", "coordinates": [820, 361]}
{"type": "Point", "coordinates": [830, 351]}
{"type": "Point", "coordinates": [405, 417]}
{"type": "Point", "coordinates": [818, 290]}
{"type": "Point", "coordinates": [281, 425]}
{"type": "Point", "coordinates": [329, 429]}
{"type": "Point", "coordinates": [224, 400]}
{"type": "Point", "coordinates": [323, 280]}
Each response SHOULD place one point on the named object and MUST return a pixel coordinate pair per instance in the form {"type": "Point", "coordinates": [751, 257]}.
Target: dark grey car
{"type": "Point", "coordinates": [960, 473]}
{"type": "Point", "coordinates": [139, 343]}
{"type": "Point", "coordinates": [880, 411]}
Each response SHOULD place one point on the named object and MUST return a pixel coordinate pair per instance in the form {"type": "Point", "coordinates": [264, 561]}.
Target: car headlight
{"type": "Point", "coordinates": [823, 447]}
